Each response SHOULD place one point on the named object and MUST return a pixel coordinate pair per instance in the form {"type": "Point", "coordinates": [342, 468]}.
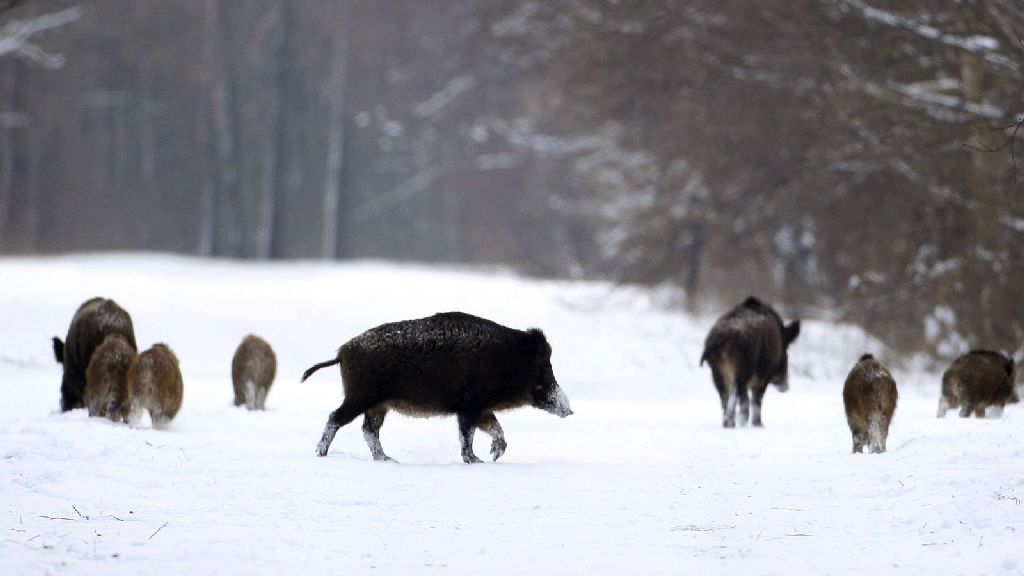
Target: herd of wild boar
{"type": "Point", "coordinates": [458, 364]}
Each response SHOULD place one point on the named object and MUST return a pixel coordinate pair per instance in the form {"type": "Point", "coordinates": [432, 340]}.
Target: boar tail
{"type": "Point", "coordinates": [316, 367]}
{"type": "Point", "coordinates": [58, 349]}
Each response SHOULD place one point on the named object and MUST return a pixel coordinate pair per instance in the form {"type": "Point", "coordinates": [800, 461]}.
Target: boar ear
{"type": "Point", "coordinates": [791, 331]}
{"type": "Point", "coordinates": [538, 342]}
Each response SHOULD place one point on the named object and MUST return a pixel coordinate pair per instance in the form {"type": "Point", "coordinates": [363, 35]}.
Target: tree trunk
{"type": "Point", "coordinates": [335, 151]}
{"type": "Point", "coordinates": [273, 145]}
{"type": "Point", "coordinates": [227, 233]}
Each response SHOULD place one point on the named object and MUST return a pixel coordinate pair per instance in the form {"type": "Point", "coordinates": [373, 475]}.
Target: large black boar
{"type": "Point", "coordinates": [451, 363]}
{"type": "Point", "coordinates": [746, 349]}
{"type": "Point", "coordinates": [92, 322]}
{"type": "Point", "coordinates": [253, 368]}
{"type": "Point", "coordinates": [977, 380]}
{"type": "Point", "coordinates": [869, 396]}
{"type": "Point", "coordinates": [154, 385]}
{"type": "Point", "coordinates": [106, 378]}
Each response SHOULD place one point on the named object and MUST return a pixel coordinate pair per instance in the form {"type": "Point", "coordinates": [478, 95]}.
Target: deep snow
{"type": "Point", "coordinates": [642, 479]}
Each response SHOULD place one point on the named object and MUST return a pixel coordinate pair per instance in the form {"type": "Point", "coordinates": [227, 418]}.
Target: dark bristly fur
{"type": "Point", "coordinates": [253, 368]}
{"type": "Point", "coordinates": [870, 397]}
{"type": "Point", "coordinates": [977, 380]}
{"type": "Point", "coordinates": [154, 384]}
{"type": "Point", "coordinates": [93, 320]}
{"type": "Point", "coordinates": [747, 350]}
{"type": "Point", "coordinates": [451, 363]}
{"type": "Point", "coordinates": [106, 378]}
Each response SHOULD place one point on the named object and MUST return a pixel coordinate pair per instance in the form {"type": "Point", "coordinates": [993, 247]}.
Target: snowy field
{"type": "Point", "coordinates": [641, 480]}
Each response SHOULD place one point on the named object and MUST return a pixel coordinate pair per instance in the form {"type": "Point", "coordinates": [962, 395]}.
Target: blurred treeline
{"type": "Point", "coordinates": [850, 158]}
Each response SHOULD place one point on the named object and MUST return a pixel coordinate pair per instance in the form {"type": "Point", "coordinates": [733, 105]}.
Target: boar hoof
{"type": "Point", "coordinates": [471, 459]}
{"type": "Point", "coordinates": [321, 448]}
{"type": "Point", "coordinates": [728, 423]}
{"type": "Point", "coordinates": [498, 448]}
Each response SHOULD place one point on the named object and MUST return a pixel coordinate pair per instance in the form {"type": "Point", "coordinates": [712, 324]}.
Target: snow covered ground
{"type": "Point", "coordinates": [642, 479]}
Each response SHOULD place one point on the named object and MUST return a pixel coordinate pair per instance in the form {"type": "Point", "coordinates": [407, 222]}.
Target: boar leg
{"type": "Point", "coordinates": [725, 381]}
{"type": "Point", "coordinates": [859, 440]}
{"type": "Point", "coordinates": [744, 402]}
{"type": "Point", "coordinates": [979, 411]}
{"type": "Point", "coordinates": [943, 407]}
{"type": "Point", "coordinates": [372, 421]}
{"type": "Point", "coordinates": [489, 424]}
{"type": "Point", "coordinates": [965, 409]}
{"type": "Point", "coordinates": [467, 427]}
{"type": "Point", "coordinates": [876, 441]}
{"type": "Point", "coordinates": [261, 398]}
{"type": "Point", "coordinates": [345, 413]}
{"type": "Point", "coordinates": [758, 394]}
{"type": "Point", "coordinates": [719, 380]}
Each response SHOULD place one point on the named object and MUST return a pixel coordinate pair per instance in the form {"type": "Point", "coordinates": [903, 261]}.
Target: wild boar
{"type": "Point", "coordinates": [747, 350]}
{"type": "Point", "coordinates": [450, 363]}
{"type": "Point", "coordinates": [976, 381]}
{"type": "Point", "coordinates": [870, 397]}
{"type": "Point", "coordinates": [253, 368]}
{"type": "Point", "coordinates": [154, 384]}
{"type": "Point", "coordinates": [106, 378]}
{"type": "Point", "coordinates": [92, 322]}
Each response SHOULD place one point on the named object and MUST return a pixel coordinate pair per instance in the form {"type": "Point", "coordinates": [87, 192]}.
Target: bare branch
{"type": "Point", "coordinates": [15, 36]}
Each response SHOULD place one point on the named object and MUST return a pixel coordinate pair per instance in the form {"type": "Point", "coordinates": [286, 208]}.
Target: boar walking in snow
{"type": "Point", "coordinates": [106, 378]}
{"type": "Point", "coordinates": [869, 396]}
{"type": "Point", "coordinates": [451, 363]}
{"type": "Point", "coordinates": [253, 368]}
{"type": "Point", "coordinates": [977, 380]}
{"type": "Point", "coordinates": [154, 385]}
{"type": "Point", "coordinates": [746, 349]}
{"type": "Point", "coordinates": [93, 320]}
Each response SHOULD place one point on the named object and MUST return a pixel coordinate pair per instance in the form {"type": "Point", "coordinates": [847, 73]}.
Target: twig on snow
{"type": "Point", "coordinates": [157, 531]}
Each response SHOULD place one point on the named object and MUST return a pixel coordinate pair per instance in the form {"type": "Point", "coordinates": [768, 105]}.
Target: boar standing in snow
{"type": "Point", "coordinates": [977, 380]}
{"type": "Point", "coordinates": [746, 349]}
{"type": "Point", "coordinates": [451, 363]}
{"type": "Point", "coordinates": [106, 378]}
{"type": "Point", "coordinates": [869, 396]}
{"type": "Point", "coordinates": [154, 384]}
{"type": "Point", "coordinates": [92, 322]}
{"type": "Point", "coordinates": [252, 372]}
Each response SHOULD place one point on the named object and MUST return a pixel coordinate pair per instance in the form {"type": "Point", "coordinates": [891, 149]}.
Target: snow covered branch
{"type": "Point", "coordinates": [16, 36]}
{"type": "Point", "coordinates": [985, 46]}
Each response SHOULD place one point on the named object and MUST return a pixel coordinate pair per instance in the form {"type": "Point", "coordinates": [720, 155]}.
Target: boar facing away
{"type": "Point", "coordinates": [869, 397]}
{"type": "Point", "coordinates": [93, 320]}
{"type": "Point", "coordinates": [106, 378]}
{"type": "Point", "coordinates": [154, 385]}
{"type": "Point", "coordinates": [450, 363]}
{"type": "Point", "coordinates": [977, 380]}
{"type": "Point", "coordinates": [747, 350]}
{"type": "Point", "coordinates": [253, 368]}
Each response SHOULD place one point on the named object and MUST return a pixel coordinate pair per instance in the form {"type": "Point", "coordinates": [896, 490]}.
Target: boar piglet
{"type": "Point", "coordinates": [869, 397]}
{"type": "Point", "coordinates": [154, 385]}
{"type": "Point", "coordinates": [450, 363]}
{"type": "Point", "coordinates": [253, 368]}
{"type": "Point", "coordinates": [106, 378]}
{"type": "Point", "coordinates": [977, 380]}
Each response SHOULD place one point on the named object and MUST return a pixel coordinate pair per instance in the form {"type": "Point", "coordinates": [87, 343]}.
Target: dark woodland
{"type": "Point", "coordinates": [844, 159]}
